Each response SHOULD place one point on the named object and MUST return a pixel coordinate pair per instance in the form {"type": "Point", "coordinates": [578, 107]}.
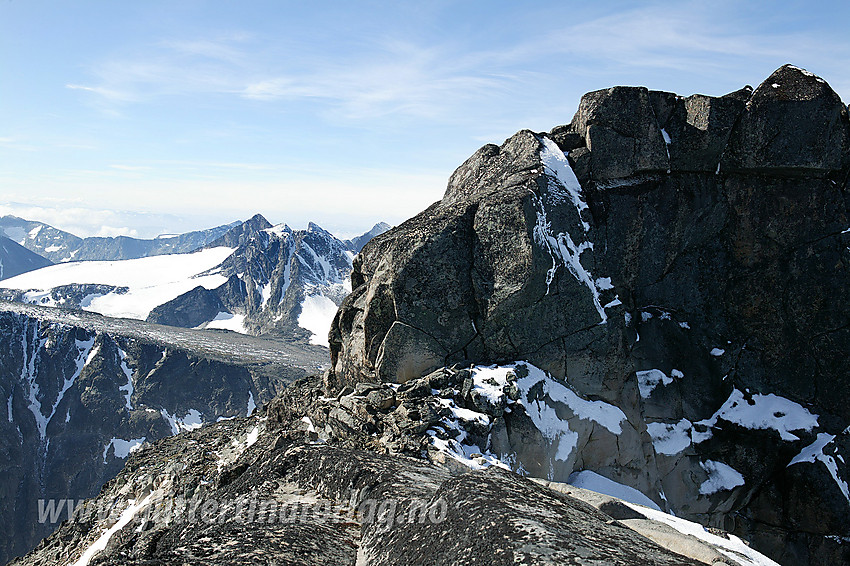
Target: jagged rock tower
{"type": "Point", "coordinates": [682, 259]}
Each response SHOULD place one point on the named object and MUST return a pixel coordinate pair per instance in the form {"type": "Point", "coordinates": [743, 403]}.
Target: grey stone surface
{"type": "Point", "coordinates": [794, 122]}
{"type": "Point", "coordinates": [735, 279]}
{"type": "Point", "coordinates": [621, 133]}
{"type": "Point", "coordinates": [339, 506]}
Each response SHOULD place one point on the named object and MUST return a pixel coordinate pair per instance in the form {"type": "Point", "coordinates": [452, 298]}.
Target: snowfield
{"type": "Point", "coordinates": [317, 314]}
{"type": "Point", "coordinates": [227, 321]}
{"type": "Point", "coordinates": [151, 281]}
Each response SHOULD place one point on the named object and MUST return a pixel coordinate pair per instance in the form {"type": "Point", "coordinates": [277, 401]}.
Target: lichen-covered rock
{"type": "Point", "coordinates": [249, 491]}
{"type": "Point", "coordinates": [621, 133]}
{"type": "Point", "coordinates": [671, 257]}
{"type": "Point", "coordinates": [794, 122]}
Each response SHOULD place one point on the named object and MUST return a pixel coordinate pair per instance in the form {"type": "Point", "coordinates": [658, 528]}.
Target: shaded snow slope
{"type": "Point", "coordinates": [16, 259]}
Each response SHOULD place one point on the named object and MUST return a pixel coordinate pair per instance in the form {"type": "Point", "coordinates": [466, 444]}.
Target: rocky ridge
{"type": "Point", "coordinates": [681, 260]}
{"type": "Point", "coordinates": [270, 489]}
{"type": "Point", "coordinates": [82, 392]}
{"type": "Point", "coordinates": [60, 246]}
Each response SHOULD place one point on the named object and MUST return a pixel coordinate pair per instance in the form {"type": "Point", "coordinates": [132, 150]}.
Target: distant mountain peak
{"type": "Point", "coordinates": [59, 246]}
{"type": "Point", "coordinates": [356, 244]}
{"type": "Point", "coordinates": [313, 227]}
{"type": "Point", "coordinates": [16, 259]}
{"type": "Point", "coordinates": [258, 220]}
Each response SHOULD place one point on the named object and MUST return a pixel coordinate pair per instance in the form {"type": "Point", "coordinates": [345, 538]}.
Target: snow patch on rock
{"type": "Point", "coordinates": [190, 421]}
{"type": "Point", "coordinates": [733, 547]}
{"type": "Point", "coordinates": [814, 453]}
{"type": "Point", "coordinates": [670, 439]}
{"type": "Point", "coordinates": [127, 388]}
{"type": "Point", "coordinates": [228, 321]}
{"type": "Point", "coordinates": [600, 412]}
{"type": "Point", "coordinates": [123, 448]}
{"type": "Point", "coordinates": [721, 477]}
{"type": "Point", "coordinates": [317, 314]}
{"type": "Point", "coordinates": [100, 544]}
{"type": "Point", "coordinates": [592, 481]}
{"type": "Point", "coordinates": [252, 406]}
{"type": "Point", "coordinates": [765, 412]}
{"type": "Point", "coordinates": [563, 185]}
{"type": "Point", "coordinates": [649, 379]}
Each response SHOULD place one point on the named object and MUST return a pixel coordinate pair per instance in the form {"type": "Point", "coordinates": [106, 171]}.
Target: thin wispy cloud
{"type": "Point", "coordinates": [129, 167]}
{"type": "Point", "coordinates": [686, 38]}
{"type": "Point", "coordinates": [444, 80]}
{"type": "Point", "coordinates": [295, 107]}
{"type": "Point", "coordinates": [107, 93]}
{"type": "Point", "coordinates": [407, 79]}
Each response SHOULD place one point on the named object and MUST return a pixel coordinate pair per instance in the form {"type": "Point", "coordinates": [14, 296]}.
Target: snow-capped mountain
{"type": "Point", "coordinates": [255, 278]}
{"type": "Point", "coordinates": [124, 288]}
{"type": "Point", "coordinates": [60, 246]}
{"type": "Point", "coordinates": [16, 259]}
{"type": "Point", "coordinates": [279, 280]}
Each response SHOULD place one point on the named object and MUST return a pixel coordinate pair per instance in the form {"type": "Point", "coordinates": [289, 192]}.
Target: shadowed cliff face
{"type": "Point", "coordinates": [82, 392]}
{"type": "Point", "coordinates": [678, 258]}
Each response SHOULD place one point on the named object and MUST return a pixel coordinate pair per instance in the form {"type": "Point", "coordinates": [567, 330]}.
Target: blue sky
{"type": "Point", "coordinates": [164, 116]}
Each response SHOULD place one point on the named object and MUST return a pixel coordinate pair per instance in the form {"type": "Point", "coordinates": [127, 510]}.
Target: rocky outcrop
{"type": "Point", "coordinates": [794, 123]}
{"type": "Point", "coordinates": [82, 392]}
{"type": "Point", "coordinates": [683, 260]}
{"type": "Point", "coordinates": [256, 490]}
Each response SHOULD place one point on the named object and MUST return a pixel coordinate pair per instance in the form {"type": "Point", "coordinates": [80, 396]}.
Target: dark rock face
{"type": "Point", "coordinates": [700, 238]}
{"type": "Point", "coordinates": [82, 392]}
{"type": "Point", "coordinates": [621, 133]}
{"type": "Point", "coordinates": [189, 310]}
{"type": "Point", "coordinates": [698, 128]}
{"type": "Point", "coordinates": [794, 123]}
